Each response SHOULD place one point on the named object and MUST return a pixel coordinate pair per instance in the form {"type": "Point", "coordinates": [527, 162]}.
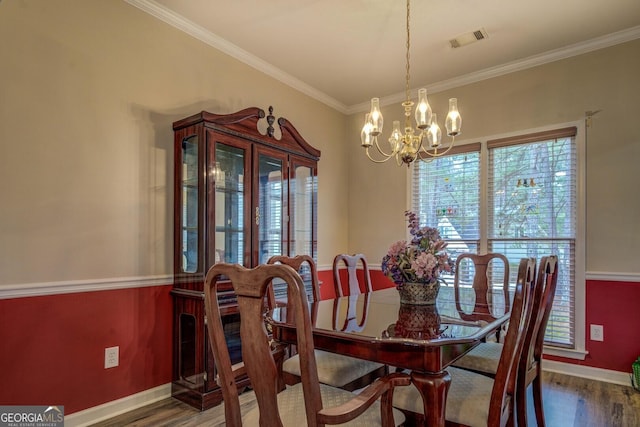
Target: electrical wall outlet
{"type": "Point", "coordinates": [597, 333]}
{"type": "Point", "coordinates": [111, 357]}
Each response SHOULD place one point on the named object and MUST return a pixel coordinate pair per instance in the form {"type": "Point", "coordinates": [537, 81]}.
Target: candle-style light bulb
{"type": "Point", "coordinates": [454, 120]}
{"type": "Point", "coordinates": [365, 136]}
{"type": "Point", "coordinates": [396, 136]}
{"type": "Point", "coordinates": [375, 117]}
{"type": "Point", "coordinates": [423, 110]}
{"type": "Point", "coordinates": [434, 134]}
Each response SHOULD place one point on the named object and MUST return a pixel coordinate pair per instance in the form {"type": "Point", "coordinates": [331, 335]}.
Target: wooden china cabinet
{"type": "Point", "coordinates": [244, 191]}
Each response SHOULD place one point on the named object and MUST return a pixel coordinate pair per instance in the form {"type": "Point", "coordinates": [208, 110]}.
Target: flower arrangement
{"type": "Point", "coordinates": [420, 260]}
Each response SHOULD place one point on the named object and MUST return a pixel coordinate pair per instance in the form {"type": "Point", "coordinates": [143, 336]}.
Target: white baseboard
{"type": "Point", "coordinates": [599, 374]}
{"type": "Point", "coordinates": [117, 407]}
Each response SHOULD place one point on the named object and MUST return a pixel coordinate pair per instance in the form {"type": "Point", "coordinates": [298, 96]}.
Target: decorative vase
{"type": "Point", "coordinates": [419, 293]}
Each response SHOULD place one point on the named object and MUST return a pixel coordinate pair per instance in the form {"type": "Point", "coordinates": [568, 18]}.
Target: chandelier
{"type": "Point", "coordinates": [406, 148]}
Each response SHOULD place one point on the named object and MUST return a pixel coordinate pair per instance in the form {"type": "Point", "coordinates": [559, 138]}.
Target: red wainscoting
{"type": "Point", "coordinates": [615, 306]}
{"type": "Point", "coordinates": [52, 347]}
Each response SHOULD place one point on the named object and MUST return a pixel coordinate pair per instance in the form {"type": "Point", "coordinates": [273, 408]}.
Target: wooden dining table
{"type": "Point", "coordinates": [423, 339]}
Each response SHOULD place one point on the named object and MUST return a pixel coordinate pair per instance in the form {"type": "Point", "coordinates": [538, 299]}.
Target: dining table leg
{"type": "Point", "coordinates": [433, 387]}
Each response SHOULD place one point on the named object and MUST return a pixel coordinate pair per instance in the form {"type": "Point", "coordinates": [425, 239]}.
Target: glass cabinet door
{"type": "Point", "coordinates": [302, 200]}
{"type": "Point", "coordinates": [270, 210]}
{"type": "Point", "coordinates": [228, 173]}
{"type": "Point", "coordinates": [189, 210]}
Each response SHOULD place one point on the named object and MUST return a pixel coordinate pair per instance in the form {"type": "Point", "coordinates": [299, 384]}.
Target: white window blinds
{"type": "Point", "coordinates": [530, 209]}
{"type": "Point", "coordinates": [446, 193]}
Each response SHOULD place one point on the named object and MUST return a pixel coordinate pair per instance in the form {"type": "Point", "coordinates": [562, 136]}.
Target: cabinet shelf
{"type": "Point", "coordinates": [229, 230]}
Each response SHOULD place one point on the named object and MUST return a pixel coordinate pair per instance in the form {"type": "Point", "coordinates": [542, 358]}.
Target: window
{"type": "Point", "coordinates": [446, 192]}
{"type": "Point", "coordinates": [516, 196]}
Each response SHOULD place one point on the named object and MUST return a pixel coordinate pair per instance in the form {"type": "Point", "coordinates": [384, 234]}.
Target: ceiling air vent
{"type": "Point", "coordinates": [468, 38]}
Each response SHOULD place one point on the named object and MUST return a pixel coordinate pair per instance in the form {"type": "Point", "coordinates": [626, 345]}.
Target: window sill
{"type": "Point", "coordinates": [565, 352]}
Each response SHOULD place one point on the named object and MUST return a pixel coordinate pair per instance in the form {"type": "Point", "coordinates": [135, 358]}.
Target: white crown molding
{"type": "Point", "coordinates": [587, 46]}
{"type": "Point", "coordinates": [117, 407]}
{"type": "Point", "coordinates": [200, 33]}
{"type": "Point", "coordinates": [213, 40]}
{"type": "Point", "coordinates": [69, 287]}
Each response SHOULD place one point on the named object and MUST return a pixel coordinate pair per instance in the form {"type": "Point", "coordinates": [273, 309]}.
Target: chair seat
{"type": "Point", "coordinates": [291, 408]}
{"type": "Point", "coordinates": [334, 369]}
{"type": "Point", "coordinates": [467, 400]}
{"type": "Point", "coordinates": [483, 358]}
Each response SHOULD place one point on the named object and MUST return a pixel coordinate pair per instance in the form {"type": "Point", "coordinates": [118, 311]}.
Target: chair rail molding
{"type": "Point", "coordinates": [606, 276]}
{"type": "Point", "coordinates": [22, 290]}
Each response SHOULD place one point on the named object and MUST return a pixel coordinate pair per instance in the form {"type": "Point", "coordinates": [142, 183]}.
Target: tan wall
{"type": "Point", "coordinates": [558, 92]}
{"type": "Point", "coordinates": [88, 93]}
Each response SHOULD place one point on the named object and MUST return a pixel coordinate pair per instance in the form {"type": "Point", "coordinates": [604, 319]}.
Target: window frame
{"type": "Point", "coordinates": [531, 135]}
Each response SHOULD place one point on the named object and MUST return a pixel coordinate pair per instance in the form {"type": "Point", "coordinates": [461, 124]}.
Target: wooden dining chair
{"type": "Point", "coordinates": [352, 262]}
{"type": "Point", "coordinates": [475, 399]}
{"type": "Point", "coordinates": [336, 370]}
{"type": "Point", "coordinates": [303, 403]}
{"type": "Point", "coordinates": [485, 357]}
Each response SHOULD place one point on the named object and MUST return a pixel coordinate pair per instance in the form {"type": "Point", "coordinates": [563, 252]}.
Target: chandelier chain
{"type": "Point", "coordinates": [407, 90]}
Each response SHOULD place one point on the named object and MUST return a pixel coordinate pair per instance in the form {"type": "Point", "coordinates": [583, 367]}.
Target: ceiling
{"type": "Point", "coordinates": [343, 52]}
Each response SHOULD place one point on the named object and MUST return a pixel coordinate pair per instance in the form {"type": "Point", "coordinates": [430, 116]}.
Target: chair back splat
{"type": "Point", "coordinates": [351, 262]}
{"type": "Point", "coordinates": [482, 281]}
{"type": "Point", "coordinates": [297, 262]}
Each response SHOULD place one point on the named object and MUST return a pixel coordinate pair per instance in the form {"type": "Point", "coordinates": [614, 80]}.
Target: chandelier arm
{"type": "Point", "coordinates": [376, 160]}
{"type": "Point", "coordinates": [420, 144]}
{"type": "Point", "coordinates": [435, 154]}
{"type": "Point", "coordinates": [381, 151]}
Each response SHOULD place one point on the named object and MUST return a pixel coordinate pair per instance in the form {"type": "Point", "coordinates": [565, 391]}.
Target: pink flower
{"type": "Point", "coordinates": [424, 265]}
{"type": "Point", "coordinates": [397, 249]}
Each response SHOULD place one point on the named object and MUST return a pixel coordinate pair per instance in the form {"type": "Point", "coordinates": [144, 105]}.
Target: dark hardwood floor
{"type": "Point", "coordinates": [568, 402]}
